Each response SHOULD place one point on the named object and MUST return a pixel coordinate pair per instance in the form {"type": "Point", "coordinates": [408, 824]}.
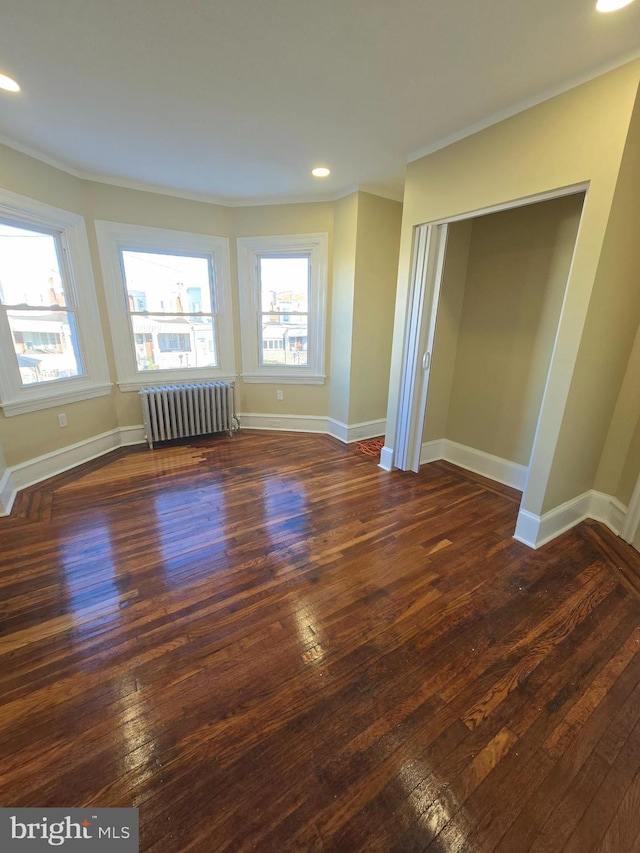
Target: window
{"type": "Point", "coordinates": [51, 348]}
{"type": "Point", "coordinates": [169, 304]}
{"type": "Point", "coordinates": [174, 343]}
{"type": "Point", "coordinates": [282, 298]}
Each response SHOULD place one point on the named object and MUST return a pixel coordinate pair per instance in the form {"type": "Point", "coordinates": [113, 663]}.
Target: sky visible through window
{"type": "Point", "coordinates": [170, 302]}
{"type": "Point", "coordinates": [29, 266]}
{"type": "Point", "coordinates": [284, 304]}
{"type": "Point", "coordinates": [43, 333]}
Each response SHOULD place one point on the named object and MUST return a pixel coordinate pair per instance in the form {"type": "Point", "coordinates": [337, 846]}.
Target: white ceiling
{"type": "Point", "coordinates": [236, 100]}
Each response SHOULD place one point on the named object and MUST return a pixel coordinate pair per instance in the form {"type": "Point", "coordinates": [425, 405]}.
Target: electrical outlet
{"type": "Point", "coordinates": [62, 419]}
{"type": "Point", "coordinates": [279, 395]}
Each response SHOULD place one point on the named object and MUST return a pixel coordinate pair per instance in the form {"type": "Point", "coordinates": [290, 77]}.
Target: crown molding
{"type": "Point", "coordinates": [521, 106]}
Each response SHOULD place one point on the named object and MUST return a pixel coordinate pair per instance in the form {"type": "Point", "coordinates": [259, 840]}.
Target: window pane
{"type": "Point", "coordinates": [284, 285]}
{"type": "Point", "coordinates": [284, 343]}
{"type": "Point", "coordinates": [45, 345]}
{"type": "Point", "coordinates": [176, 284]}
{"type": "Point", "coordinates": [284, 299]}
{"type": "Point", "coordinates": [165, 342]}
{"type": "Point", "coordinates": [29, 268]}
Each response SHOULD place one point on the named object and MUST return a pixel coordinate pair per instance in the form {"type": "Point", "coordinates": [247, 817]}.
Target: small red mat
{"type": "Point", "coordinates": [372, 447]}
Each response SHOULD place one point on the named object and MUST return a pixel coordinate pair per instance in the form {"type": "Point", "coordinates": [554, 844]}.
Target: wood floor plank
{"type": "Point", "coordinates": [268, 643]}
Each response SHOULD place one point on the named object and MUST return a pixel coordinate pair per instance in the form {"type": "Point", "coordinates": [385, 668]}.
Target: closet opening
{"type": "Point", "coordinates": [485, 305]}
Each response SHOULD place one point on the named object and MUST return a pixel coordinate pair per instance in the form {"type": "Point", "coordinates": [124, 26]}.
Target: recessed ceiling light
{"type": "Point", "coordinates": [321, 172]}
{"type": "Point", "coordinates": [611, 5]}
{"type": "Point", "coordinates": [8, 84]}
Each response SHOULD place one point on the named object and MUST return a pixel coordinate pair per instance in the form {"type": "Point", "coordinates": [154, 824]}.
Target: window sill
{"type": "Point", "coordinates": [285, 378]}
{"type": "Point", "coordinates": [51, 400]}
{"type": "Point", "coordinates": [157, 378]}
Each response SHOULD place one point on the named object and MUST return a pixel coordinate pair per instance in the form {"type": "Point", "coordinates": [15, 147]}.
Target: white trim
{"type": "Point", "coordinates": [284, 378]}
{"type": "Point", "coordinates": [515, 203]}
{"type": "Point", "coordinates": [7, 493]}
{"type": "Point", "coordinates": [114, 236]}
{"type": "Point", "coordinates": [131, 435]}
{"type": "Point", "coordinates": [494, 467]}
{"type": "Point", "coordinates": [386, 458]}
{"type": "Point", "coordinates": [285, 423]}
{"type": "Point", "coordinates": [57, 462]}
{"type": "Point", "coordinates": [51, 402]}
{"type": "Point", "coordinates": [521, 106]}
{"type": "Point", "coordinates": [527, 527]}
{"type": "Point", "coordinates": [148, 379]}
{"type": "Point", "coordinates": [191, 195]}
{"type": "Point", "coordinates": [433, 451]}
{"type": "Point", "coordinates": [632, 520]}
{"type": "Point", "coordinates": [535, 531]}
{"type": "Point", "coordinates": [50, 464]}
{"type": "Point", "coordinates": [348, 433]}
{"type": "Point", "coordinates": [249, 249]}
{"type": "Point", "coordinates": [429, 248]}
{"type": "Point", "coordinates": [79, 283]}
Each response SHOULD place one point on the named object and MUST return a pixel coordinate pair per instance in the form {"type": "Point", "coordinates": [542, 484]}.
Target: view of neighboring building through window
{"type": "Point", "coordinates": [171, 309]}
{"type": "Point", "coordinates": [38, 304]}
{"type": "Point", "coordinates": [284, 301]}
{"type": "Point", "coordinates": [282, 283]}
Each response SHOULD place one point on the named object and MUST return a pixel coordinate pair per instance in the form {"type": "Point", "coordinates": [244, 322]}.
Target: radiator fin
{"type": "Point", "coordinates": [180, 411]}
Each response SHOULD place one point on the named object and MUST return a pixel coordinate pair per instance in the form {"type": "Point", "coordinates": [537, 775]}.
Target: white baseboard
{"type": "Point", "coordinates": [48, 465]}
{"type": "Point", "coordinates": [7, 493]}
{"type": "Point", "coordinates": [132, 435]}
{"type": "Point", "coordinates": [501, 470]}
{"type": "Point", "coordinates": [386, 458]}
{"type": "Point", "coordinates": [40, 468]}
{"type": "Point", "coordinates": [346, 433]}
{"type": "Point", "coordinates": [286, 423]}
{"type": "Point", "coordinates": [532, 530]}
{"type": "Point", "coordinates": [535, 531]}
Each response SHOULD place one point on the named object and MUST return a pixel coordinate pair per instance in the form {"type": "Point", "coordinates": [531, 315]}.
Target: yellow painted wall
{"type": "Point", "coordinates": [517, 273]}
{"type": "Point", "coordinates": [27, 176]}
{"type": "Point", "coordinates": [376, 267]}
{"type": "Point", "coordinates": [25, 437]}
{"type": "Point", "coordinates": [271, 220]}
{"type": "Point", "coordinates": [344, 270]}
{"type": "Point", "coordinates": [620, 461]}
{"type": "Point", "coordinates": [613, 334]}
{"type": "Point", "coordinates": [576, 137]}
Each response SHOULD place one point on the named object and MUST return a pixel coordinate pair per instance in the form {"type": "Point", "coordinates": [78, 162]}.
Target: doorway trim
{"type": "Point", "coordinates": [632, 518]}
{"type": "Point", "coordinates": [429, 248]}
{"type": "Point", "coordinates": [420, 323]}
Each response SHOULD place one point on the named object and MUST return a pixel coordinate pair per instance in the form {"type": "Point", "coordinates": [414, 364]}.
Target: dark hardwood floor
{"type": "Point", "coordinates": [268, 643]}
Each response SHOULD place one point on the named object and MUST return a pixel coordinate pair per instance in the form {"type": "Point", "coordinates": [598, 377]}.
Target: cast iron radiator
{"type": "Point", "coordinates": [178, 411]}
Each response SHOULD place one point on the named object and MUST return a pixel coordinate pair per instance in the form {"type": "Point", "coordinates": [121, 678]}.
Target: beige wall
{"type": "Point", "coordinates": [27, 436]}
{"type": "Point", "coordinates": [576, 137]}
{"type": "Point", "coordinates": [620, 462]}
{"type": "Point", "coordinates": [377, 247]}
{"type": "Point", "coordinates": [518, 266]}
{"type": "Point", "coordinates": [271, 220]}
{"type": "Point", "coordinates": [614, 322]}
{"type": "Point", "coordinates": [23, 437]}
{"type": "Point", "coordinates": [26, 176]}
{"type": "Point", "coordinates": [344, 272]}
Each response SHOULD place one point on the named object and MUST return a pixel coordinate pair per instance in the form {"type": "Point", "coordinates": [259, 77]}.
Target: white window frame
{"type": "Point", "coordinates": [249, 250]}
{"type": "Point", "coordinates": [79, 282]}
{"type": "Point", "coordinates": [115, 237]}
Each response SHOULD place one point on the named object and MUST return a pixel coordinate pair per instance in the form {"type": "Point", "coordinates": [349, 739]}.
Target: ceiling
{"type": "Point", "coordinates": [236, 100]}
